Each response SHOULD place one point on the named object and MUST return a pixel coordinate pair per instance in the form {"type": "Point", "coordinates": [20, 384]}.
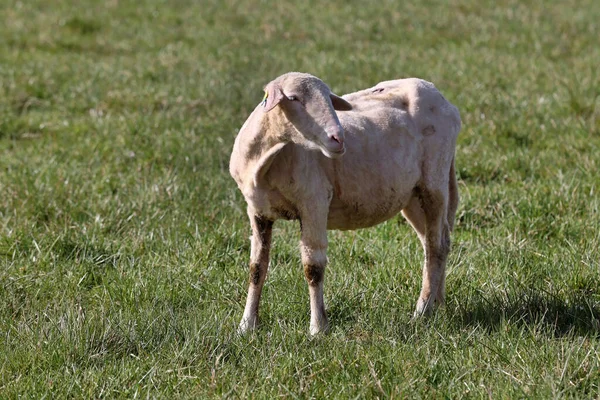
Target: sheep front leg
{"type": "Point", "coordinates": [313, 247]}
{"type": "Point", "coordinates": [437, 246]}
{"type": "Point", "coordinates": [259, 264]}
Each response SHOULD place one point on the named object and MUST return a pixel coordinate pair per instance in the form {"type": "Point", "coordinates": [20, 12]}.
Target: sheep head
{"type": "Point", "coordinates": [309, 106]}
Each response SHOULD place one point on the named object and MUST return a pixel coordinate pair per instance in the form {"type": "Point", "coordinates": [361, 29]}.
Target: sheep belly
{"type": "Point", "coordinates": [363, 197]}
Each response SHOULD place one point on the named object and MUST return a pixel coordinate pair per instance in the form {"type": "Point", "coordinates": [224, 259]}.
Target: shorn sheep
{"type": "Point", "coordinates": [387, 149]}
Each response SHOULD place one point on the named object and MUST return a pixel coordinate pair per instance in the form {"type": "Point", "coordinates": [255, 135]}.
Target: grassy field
{"type": "Point", "coordinates": [124, 241]}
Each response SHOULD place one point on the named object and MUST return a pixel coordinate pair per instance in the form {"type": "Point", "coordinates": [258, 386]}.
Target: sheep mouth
{"type": "Point", "coordinates": [333, 153]}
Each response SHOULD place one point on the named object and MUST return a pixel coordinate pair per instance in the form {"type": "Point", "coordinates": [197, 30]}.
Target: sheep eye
{"type": "Point", "coordinates": [292, 98]}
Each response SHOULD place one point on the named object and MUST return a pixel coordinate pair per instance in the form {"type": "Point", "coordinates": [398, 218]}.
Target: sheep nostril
{"type": "Point", "coordinates": [335, 137]}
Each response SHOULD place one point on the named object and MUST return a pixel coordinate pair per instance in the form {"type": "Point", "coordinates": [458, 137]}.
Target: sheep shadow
{"type": "Point", "coordinates": [576, 313]}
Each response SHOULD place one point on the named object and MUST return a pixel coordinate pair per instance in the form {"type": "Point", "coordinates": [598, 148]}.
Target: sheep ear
{"type": "Point", "coordinates": [265, 162]}
{"type": "Point", "coordinates": [339, 103]}
{"type": "Point", "coordinates": [273, 95]}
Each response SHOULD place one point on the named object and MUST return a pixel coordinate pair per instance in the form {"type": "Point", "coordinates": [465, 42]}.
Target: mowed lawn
{"type": "Point", "coordinates": [124, 241]}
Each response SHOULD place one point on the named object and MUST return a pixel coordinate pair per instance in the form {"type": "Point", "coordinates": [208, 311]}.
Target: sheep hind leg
{"type": "Point", "coordinates": [453, 197]}
{"type": "Point", "coordinates": [259, 264]}
{"type": "Point", "coordinates": [435, 237]}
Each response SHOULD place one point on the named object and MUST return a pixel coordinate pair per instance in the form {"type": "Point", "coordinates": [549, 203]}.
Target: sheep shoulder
{"type": "Point", "coordinates": [253, 150]}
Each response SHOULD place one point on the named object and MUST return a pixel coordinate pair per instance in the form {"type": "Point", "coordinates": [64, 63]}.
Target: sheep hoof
{"type": "Point", "coordinates": [319, 330]}
{"type": "Point", "coordinates": [425, 307]}
{"type": "Point", "coordinates": [246, 326]}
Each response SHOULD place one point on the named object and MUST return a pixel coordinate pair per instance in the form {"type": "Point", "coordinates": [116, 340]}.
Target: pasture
{"type": "Point", "coordinates": [124, 241]}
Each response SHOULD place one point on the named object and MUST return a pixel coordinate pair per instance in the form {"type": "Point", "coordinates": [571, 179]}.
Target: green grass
{"type": "Point", "coordinates": [124, 242]}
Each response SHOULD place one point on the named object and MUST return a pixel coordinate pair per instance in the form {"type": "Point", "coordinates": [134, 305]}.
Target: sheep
{"type": "Point", "coordinates": [387, 149]}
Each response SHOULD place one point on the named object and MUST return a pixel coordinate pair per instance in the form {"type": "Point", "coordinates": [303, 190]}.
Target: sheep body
{"type": "Point", "coordinates": [399, 140]}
